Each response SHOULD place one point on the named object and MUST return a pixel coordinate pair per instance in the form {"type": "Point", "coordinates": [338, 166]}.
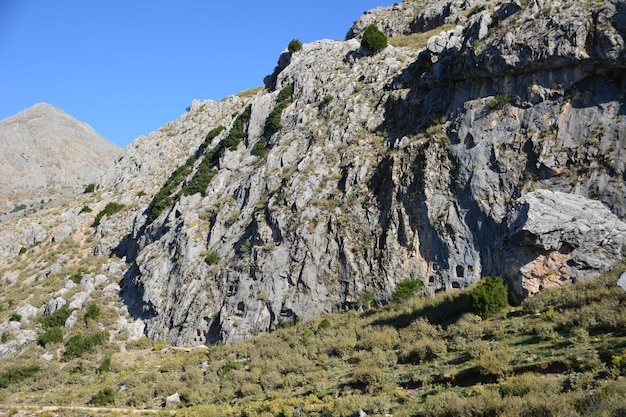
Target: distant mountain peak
{"type": "Point", "coordinates": [45, 152]}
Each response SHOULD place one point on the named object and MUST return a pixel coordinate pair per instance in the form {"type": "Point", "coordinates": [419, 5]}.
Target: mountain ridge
{"type": "Point", "coordinates": [487, 139]}
{"type": "Point", "coordinates": [351, 172]}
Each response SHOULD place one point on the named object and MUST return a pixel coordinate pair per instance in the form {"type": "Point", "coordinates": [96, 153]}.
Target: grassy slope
{"type": "Point", "coordinates": [562, 352]}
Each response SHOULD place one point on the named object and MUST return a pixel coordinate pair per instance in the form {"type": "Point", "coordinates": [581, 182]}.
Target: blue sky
{"type": "Point", "coordinates": [128, 67]}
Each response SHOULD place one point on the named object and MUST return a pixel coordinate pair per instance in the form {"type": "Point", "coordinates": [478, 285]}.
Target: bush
{"type": "Point", "coordinates": [209, 137]}
{"type": "Point", "coordinates": [56, 319]}
{"type": "Point", "coordinates": [379, 338]}
{"type": "Point", "coordinates": [54, 335]}
{"type": "Point", "coordinates": [496, 363]}
{"type": "Point", "coordinates": [373, 39]}
{"type": "Point", "coordinates": [15, 317]}
{"type": "Point", "coordinates": [368, 376]}
{"type": "Point", "coordinates": [19, 207]}
{"type": "Point", "coordinates": [324, 324]}
{"type": "Point", "coordinates": [406, 289]}
{"type": "Point", "coordinates": [424, 349]}
{"type": "Point", "coordinates": [105, 366]}
{"type": "Point", "coordinates": [489, 297]}
{"type": "Point", "coordinates": [85, 209]}
{"type": "Point", "coordinates": [272, 123]}
{"type": "Point", "coordinates": [286, 93]}
{"type": "Point", "coordinates": [106, 396]}
{"type": "Point", "coordinates": [200, 181]}
{"type": "Point", "coordinates": [108, 210]}
{"type": "Point", "coordinates": [80, 344]}
{"type": "Point", "coordinates": [93, 312]}
{"type": "Point", "coordinates": [341, 345]}
{"type": "Point", "coordinates": [294, 46]}
{"type": "Point", "coordinates": [90, 188]}
{"type": "Point", "coordinates": [142, 343]}
{"type": "Point", "coordinates": [212, 258]}
{"type": "Point", "coordinates": [260, 148]}
{"type": "Point", "coordinates": [238, 132]}
{"type": "Point", "coordinates": [366, 300]}
{"type": "Point", "coordinates": [17, 374]}
{"type": "Point", "coordinates": [77, 276]}
{"type": "Point", "coordinates": [163, 198]}
{"type": "Point", "coordinates": [524, 384]}
{"type": "Point", "coordinates": [499, 101]}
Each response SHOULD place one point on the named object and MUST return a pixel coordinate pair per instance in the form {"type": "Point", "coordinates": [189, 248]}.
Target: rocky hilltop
{"type": "Point", "coordinates": [486, 139]}
{"type": "Point", "coordinates": [46, 153]}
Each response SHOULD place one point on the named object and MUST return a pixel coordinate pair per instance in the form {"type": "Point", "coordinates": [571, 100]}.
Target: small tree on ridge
{"type": "Point", "coordinates": [373, 39]}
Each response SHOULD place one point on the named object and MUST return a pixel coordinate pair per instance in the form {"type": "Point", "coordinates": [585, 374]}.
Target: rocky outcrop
{"type": "Point", "coordinates": [556, 238]}
{"type": "Point", "coordinates": [421, 163]}
{"type": "Point", "coordinates": [410, 17]}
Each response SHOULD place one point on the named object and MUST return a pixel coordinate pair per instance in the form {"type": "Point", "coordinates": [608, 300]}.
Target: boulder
{"type": "Point", "coordinates": [557, 237]}
{"type": "Point", "coordinates": [54, 305]}
{"type": "Point", "coordinates": [78, 300]}
{"type": "Point", "coordinates": [172, 400]}
{"type": "Point", "coordinates": [27, 312]}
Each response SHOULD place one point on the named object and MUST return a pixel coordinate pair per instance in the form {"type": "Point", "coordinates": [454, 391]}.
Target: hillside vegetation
{"type": "Point", "coordinates": [560, 353]}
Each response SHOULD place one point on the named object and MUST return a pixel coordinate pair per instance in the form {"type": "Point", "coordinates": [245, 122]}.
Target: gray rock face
{"type": "Point", "coordinates": [171, 400]}
{"type": "Point", "coordinates": [71, 320]}
{"type": "Point", "coordinates": [557, 237]}
{"type": "Point", "coordinates": [414, 17]}
{"type": "Point", "coordinates": [27, 312]}
{"type": "Point", "coordinates": [54, 305]}
{"type": "Point", "coordinates": [427, 163]}
{"type": "Point", "coordinates": [136, 330]}
{"type": "Point", "coordinates": [622, 280]}
{"type": "Point", "coordinates": [22, 337]}
{"type": "Point", "coordinates": [393, 21]}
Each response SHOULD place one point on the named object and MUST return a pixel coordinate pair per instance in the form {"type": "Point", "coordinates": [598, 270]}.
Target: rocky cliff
{"type": "Point", "coordinates": [488, 141]}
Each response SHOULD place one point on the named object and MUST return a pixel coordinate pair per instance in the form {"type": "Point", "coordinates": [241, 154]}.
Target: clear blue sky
{"type": "Point", "coordinates": [127, 67]}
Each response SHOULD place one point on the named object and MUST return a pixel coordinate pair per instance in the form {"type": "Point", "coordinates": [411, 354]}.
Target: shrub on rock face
{"type": "Point", "coordinates": [489, 297]}
{"type": "Point", "coordinates": [109, 210]}
{"type": "Point", "coordinates": [406, 289]}
{"type": "Point", "coordinates": [212, 258]}
{"type": "Point", "coordinates": [373, 39]}
{"type": "Point", "coordinates": [294, 46]}
{"type": "Point", "coordinates": [56, 319]}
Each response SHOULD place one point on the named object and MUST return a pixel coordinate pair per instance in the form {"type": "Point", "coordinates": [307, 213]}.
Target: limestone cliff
{"type": "Point", "coordinates": [488, 141]}
{"type": "Point", "coordinates": [413, 162]}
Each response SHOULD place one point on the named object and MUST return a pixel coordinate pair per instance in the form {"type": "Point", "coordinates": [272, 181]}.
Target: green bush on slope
{"type": "Point", "coordinates": [373, 39]}
{"type": "Point", "coordinates": [489, 297]}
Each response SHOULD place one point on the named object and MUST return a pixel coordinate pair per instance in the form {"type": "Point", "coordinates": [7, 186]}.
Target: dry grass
{"type": "Point", "coordinates": [417, 40]}
{"type": "Point", "coordinates": [250, 92]}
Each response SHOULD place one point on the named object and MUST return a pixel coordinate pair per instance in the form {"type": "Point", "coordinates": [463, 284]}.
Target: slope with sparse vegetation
{"type": "Point", "coordinates": [562, 352]}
